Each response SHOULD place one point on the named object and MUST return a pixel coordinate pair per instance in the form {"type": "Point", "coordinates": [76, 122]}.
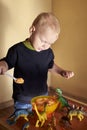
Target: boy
{"type": "Point", "coordinates": [32, 59]}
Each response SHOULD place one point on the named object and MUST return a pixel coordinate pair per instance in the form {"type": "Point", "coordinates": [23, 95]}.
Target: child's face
{"type": "Point", "coordinates": [42, 40]}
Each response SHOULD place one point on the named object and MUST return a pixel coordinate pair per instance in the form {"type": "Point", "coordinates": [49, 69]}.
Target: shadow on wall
{"type": "Point", "coordinates": [4, 22]}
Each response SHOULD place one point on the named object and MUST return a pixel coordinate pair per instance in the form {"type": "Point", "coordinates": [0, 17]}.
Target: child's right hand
{"type": "Point", "coordinates": [3, 67]}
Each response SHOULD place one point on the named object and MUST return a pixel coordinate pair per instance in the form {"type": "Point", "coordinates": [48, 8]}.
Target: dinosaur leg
{"type": "Point", "coordinates": [11, 119]}
{"type": "Point", "coordinates": [80, 117]}
{"type": "Point", "coordinates": [42, 122]}
{"type": "Point", "coordinates": [37, 123]}
{"type": "Point", "coordinates": [26, 126]}
{"type": "Point", "coordinates": [71, 118]}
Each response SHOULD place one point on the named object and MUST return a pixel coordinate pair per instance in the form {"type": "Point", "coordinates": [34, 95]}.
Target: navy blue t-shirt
{"type": "Point", "coordinates": [33, 67]}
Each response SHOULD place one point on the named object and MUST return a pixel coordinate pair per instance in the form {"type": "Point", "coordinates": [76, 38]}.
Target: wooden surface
{"type": "Point", "coordinates": [75, 123]}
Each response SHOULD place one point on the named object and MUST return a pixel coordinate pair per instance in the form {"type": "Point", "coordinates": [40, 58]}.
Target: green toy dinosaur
{"type": "Point", "coordinates": [63, 101]}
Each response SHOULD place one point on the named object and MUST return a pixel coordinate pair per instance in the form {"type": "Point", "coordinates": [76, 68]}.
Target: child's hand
{"type": "Point", "coordinates": [67, 74]}
{"type": "Point", "coordinates": [3, 67]}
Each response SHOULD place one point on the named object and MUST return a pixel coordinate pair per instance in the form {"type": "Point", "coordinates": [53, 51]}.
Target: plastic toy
{"type": "Point", "coordinates": [65, 121]}
{"type": "Point", "coordinates": [63, 101]}
{"type": "Point", "coordinates": [76, 112]}
{"type": "Point", "coordinates": [44, 107]}
{"type": "Point", "coordinates": [42, 116]}
{"type": "Point", "coordinates": [16, 115]}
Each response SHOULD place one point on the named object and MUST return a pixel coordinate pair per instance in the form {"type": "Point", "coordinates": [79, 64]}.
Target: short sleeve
{"type": "Point", "coordinates": [51, 59]}
{"type": "Point", "coordinates": [11, 57]}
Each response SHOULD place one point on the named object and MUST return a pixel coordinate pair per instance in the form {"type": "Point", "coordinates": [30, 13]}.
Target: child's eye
{"type": "Point", "coordinates": [43, 41]}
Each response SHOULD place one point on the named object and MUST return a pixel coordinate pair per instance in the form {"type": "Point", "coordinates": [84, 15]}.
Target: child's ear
{"type": "Point", "coordinates": [32, 29]}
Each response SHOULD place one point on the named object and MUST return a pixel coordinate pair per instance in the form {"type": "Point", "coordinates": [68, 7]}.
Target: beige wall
{"type": "Point", "coordinates": [16, 16]}
{"type": "Point", "coordinates": [71, 48]}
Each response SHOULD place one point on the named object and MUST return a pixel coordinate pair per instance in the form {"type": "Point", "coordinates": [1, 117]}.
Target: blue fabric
{"type": "Point", "coordinates": [20, 105]}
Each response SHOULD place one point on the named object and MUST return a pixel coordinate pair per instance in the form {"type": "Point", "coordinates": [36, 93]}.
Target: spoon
{"type": "Point", "coordinates": [17, 80]}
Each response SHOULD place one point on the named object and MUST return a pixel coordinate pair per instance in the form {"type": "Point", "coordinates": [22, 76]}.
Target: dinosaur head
{"type": "Point", "coordinates": [59, 91]}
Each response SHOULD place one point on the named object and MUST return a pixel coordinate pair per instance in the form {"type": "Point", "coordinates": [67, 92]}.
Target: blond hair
{"type": "Point", "coordinates": [46, 19]}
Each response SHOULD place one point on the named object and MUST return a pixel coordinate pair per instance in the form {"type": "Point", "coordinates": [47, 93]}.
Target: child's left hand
{"type": "Point", "coordinates": [67, 74]}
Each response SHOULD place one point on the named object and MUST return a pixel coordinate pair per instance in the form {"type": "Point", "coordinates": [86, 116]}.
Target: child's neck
{"type": "Point", "coordinates": [30, 41]}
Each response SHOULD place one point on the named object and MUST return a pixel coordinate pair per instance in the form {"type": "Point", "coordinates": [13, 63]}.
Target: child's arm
{"type": "Point", "coordinates": [3, 67]}
{"type": "Point", "coordinates": [65, 73]}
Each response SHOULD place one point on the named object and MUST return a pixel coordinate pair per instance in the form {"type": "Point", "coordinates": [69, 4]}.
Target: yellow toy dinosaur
{"type": "Point", "coordinates": [42, 117]}
{"type": "Point", "coordinates": [76, 112]}
{"type": "Point", "coordinates": [44, 107]}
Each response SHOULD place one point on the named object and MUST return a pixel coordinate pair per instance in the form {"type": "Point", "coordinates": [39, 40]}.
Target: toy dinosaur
{"type": "Point", "coordinates": [49, 104]}
{"type": "Point", "coordinates": [42, 117]}
{"type": "Point", "coordinates": [76, 112]}
{"type": "Point", "coordinates": [16, 115]}
{"type": "Point", "coordinates": [63, 101]}
{"type": "Point", "coordinates": [65, 121]}
{"type": "Point", "coordinates": [45, 106]}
